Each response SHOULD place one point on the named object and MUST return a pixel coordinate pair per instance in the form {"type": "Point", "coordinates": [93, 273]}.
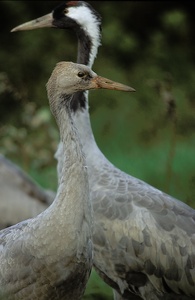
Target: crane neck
{"type": "Point", "coordinates": [67, 224]}
{"type": "Point", "coordinates": [73, 156]}
{"type": "Point", "coordinates": [72, 198]}
{"type": "Point", "coordinates": [89, 39]}
{"type": "Point", "coordinates": [83, 123]}
{"type": "Point", "coordinates": [88, 43]}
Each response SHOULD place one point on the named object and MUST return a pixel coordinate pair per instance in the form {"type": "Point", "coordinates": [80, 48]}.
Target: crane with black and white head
{"type": "Point", "coordinates": [144, 239]}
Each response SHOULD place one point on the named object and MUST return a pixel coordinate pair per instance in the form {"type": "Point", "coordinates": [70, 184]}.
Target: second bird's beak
{"type": "Point", "coordinates": [99, 82]}
{"type": "Point", "coordinates": [44, 21]}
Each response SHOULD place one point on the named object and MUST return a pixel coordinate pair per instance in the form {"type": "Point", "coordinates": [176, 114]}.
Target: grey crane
{"type": "Point", "coordinates": [143, 238]}
{"type": "Point", "coordinates": [50, 256]}
{"type": "Point", "coordinates": [20, 197]}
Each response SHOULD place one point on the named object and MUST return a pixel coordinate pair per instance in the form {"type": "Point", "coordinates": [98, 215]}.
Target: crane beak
{"type": "Point", "coordinates": [44, 21]}
{"type": "Point", "coordinates": [99, 82]}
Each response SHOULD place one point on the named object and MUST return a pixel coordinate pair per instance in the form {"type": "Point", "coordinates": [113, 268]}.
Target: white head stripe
{"type": "Point", "coordinates": [88, 21]}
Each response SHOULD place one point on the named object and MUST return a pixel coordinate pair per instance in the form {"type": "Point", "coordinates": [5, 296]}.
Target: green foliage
{"type": "Point", "coordinates": [149, 134]}
{"type": "Point", "coordinates": [97, 289]}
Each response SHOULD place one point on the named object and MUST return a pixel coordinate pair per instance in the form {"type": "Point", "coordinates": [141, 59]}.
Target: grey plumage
{"type": "Point", "coordinates": [50, 256]}
{"type": "Point", "coordinates": [143, 238]}
{"type": "Point", "coordinates": [151, 249]}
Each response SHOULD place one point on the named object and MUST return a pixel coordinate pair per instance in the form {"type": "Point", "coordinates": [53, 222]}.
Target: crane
{"type": "Point", "coordinates": [50, 256]}
{"type": "Point", "coordinates": [21, 197]}
{"type": "Point", "coordinates": [143, 238]}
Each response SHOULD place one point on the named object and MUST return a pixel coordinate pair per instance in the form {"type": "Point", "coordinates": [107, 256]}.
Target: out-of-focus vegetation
{"type": "Point", "coordinates": [149, 134]}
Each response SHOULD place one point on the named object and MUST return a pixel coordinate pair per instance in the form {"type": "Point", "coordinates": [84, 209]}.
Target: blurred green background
{"type": "Point", "coordinates": [149, 134]}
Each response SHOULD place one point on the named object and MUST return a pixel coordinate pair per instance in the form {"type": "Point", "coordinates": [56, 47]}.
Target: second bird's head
{"type": "Point", "coordinates": [68, 15]}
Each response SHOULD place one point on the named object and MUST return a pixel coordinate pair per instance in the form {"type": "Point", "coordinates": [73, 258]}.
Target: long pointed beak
{"type": "Point", "coordinates": [99, 82]}
{"type": "Point", "coordinates": [44, 21]}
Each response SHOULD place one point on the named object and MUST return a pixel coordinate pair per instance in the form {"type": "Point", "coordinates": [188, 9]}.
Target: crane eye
{"type": "Point", "coordinates": [81, 74]}
{"type": "Point", "coordinates": [65, 11]}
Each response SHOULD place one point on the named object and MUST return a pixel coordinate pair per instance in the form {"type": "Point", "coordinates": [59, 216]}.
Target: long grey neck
{"type": "Point", "coordinates": [71, 204]}
{"type": "Point", "coordinates": [66, 224]}
{"type": "Point", "coordinates": [73, 160]}
{"type": "Point", "coordinates": [74, 157]}
{"type": "Point", "coordinates": [90, 148]}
